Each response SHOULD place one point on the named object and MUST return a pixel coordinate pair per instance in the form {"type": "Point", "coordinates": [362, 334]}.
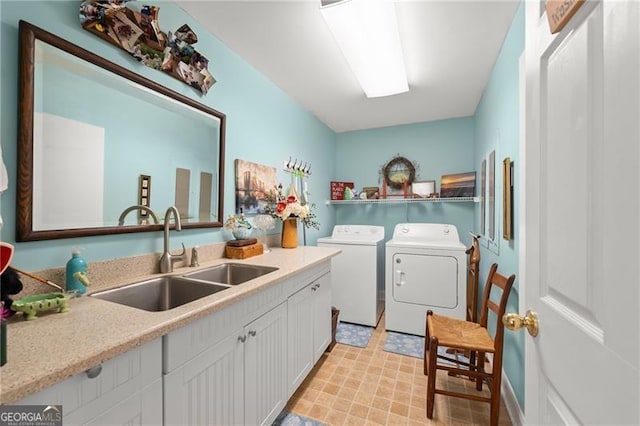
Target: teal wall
{"type": "Point", "coordinates": [451, 146]}
{"type": "Point", "coordinates": [437, 148]}
{"type": "Point", "coordinates": [264, 125]}
{"type": "Point", "coordinates": [497, 127]}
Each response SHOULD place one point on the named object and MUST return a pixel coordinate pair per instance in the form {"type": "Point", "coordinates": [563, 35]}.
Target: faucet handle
{"type": "Point", "coordinates": [182, 255]}
{"type": "Point", "coordinates": [194, 257]}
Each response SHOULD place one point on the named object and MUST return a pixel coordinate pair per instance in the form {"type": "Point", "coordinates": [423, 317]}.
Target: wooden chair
{"type": "Point", "coordinates": [471, 337]}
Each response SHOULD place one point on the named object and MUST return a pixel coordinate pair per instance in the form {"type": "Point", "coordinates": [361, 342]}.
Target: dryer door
{"type": "Point", "coordinates": [425, 279]}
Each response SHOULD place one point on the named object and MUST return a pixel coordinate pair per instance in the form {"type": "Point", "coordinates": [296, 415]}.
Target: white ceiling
{"type": "Point", "coordinates": [450, 48]}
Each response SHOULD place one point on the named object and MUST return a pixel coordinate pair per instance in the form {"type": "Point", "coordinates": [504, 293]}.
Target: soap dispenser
{"type": "Point", "coordinates": [76, 270]}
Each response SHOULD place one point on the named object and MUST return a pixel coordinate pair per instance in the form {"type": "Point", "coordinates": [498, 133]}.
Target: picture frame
{"type": "Point", "coordinates": [423, 189]}
{"type": "Point", "coordinates": [255, 186]}
{"type": "Point", "coordinates": [507, 199]}
{"type": "Point", "coordinates": [458, 185]}
{"type": "Point", "coordinates": [372, 192]}
{"type": "Point", "coordinates": [492, 195]}
{"type": "Point", "coordinates": [483, 197]}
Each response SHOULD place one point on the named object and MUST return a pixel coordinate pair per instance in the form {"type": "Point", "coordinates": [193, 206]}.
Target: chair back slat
{"type": "Point", "coordinates": [505, 284]}
{"type": "Point", "coordinates": [495, 308]}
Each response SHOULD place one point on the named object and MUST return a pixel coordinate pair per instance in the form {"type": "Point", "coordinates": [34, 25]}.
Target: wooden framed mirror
{"type": "Point", "coordinates": [89, 129]}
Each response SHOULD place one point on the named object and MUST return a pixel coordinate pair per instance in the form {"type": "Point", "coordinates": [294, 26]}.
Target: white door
{"type": "Point", "coordinates": [580, 219]}
{"type": "Point", "coordinates": [425, 279]}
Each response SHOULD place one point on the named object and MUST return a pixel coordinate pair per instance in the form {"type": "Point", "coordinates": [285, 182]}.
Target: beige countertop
{"type": "Point", "coordinates": [56, 346]}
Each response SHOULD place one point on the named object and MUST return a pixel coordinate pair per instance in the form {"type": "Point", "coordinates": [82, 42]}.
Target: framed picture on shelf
{"type": "Point", "coordinates": [458, 185]}
{"type": "Point", "coordinates": [423, 189]}
{"type": "Point", "coordinates": [372, 192]}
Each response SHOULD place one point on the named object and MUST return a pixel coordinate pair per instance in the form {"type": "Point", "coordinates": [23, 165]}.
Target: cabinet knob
{"type": "Point", "coordinates": [242, 338]}
{"type": "Point", "coordinates": [252, 333]}
{"type": "Point", "coordinates": [94, 372]}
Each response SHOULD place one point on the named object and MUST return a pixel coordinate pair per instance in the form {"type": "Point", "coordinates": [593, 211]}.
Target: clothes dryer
{"type": "Point", "coordinates": [425, 270]}
{"type": "Point", "coordinates": [357, 274]}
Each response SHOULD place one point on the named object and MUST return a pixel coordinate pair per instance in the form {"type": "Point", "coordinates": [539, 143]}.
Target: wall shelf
{"type": "Point", "coordinates": [399, 200]}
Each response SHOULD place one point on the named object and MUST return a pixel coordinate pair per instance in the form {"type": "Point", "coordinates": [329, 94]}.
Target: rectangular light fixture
{"type": "Point", "coordinates": [367, 33]}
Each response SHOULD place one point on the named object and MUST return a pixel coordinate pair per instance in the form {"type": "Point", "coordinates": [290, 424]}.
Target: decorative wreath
{"type": "Point", "coordinates": [399, 171]}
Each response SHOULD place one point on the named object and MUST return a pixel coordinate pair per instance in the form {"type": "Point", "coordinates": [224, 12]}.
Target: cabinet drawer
{"type": "Point", "coordinates": [121, 377]}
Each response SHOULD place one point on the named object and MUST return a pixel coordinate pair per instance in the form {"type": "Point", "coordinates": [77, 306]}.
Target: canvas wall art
{"type": "Point", "coordinates": [458, 185]}
{"type": "Point", "coordinates": [255, 186]}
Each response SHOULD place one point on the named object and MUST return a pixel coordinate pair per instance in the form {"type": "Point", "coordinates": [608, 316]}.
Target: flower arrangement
{"type": "Point", "coordinates": [284, 207]}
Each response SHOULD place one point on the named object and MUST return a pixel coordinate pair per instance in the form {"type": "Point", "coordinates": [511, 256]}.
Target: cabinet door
{"type": "Point", "coordinates": [321, 315]}
{"type": "Point", "coordinates": [265, 367]}
{"type": "Point", "coordinates": [143, 408]}
{"type": "Point", "coordinates": [209, 389]}
{"type": "Point", "coordinates": [300, 343]}
{"type": "Point", "coordinates": [85, 398]}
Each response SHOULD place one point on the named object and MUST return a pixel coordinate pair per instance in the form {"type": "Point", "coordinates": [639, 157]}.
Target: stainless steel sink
{"type": "Point", "coordinates": [160, 294]}
{"type": "Point", "coordinates": [231, 273]}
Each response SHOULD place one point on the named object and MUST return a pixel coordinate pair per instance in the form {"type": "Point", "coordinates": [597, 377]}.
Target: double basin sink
{"type": "Point", "coordinates": [168, 292]}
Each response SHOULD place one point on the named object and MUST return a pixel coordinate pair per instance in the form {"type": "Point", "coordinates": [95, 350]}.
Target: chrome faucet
{"type": "Point", "coordinates": [167, 260]}
{"type": "Point", "coordinates": [128, 210]}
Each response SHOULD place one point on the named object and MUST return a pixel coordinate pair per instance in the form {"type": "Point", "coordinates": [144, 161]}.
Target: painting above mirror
{"type": "Point", "coordinates": [97, 139]}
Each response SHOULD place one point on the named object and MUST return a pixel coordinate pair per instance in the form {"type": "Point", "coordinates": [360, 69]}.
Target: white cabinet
{"type": "Point", "coordinates": [321, 316]}
{"type": "Point", "coordinates": [239, 380]}
{"type": "Point", "coordinates": [127, 390]}
{"type": "Point", "coordinates": [309, 318]}
{"type": "Point", "coordinates": [265, 367]}
{"type": "Point", "coordinates": [209, 388]}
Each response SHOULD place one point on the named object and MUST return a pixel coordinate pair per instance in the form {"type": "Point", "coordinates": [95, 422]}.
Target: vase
{"type": "Point", "coordinates": [241, 233]}
{"type": "Point", "coordinates": [290, 233]}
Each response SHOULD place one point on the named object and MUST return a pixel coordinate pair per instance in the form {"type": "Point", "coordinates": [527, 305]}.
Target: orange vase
{"type": "Point", "coordinates": [290, 233]}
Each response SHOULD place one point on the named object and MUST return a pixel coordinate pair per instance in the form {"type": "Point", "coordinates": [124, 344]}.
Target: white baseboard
{"type": "Point", "coordinates": [510, 400]}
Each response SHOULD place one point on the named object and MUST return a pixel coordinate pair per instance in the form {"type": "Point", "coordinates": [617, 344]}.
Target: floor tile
{"type": "Point", "coordinates": [368, 386]}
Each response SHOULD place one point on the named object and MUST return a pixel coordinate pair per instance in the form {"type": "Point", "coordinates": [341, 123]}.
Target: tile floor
{"type": "Point", "coordinates": [357, 386]}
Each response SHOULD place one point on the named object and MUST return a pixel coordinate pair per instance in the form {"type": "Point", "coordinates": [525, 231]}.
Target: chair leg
{"type": "Point", "coordinates": [432, 357]}
{"type": "Point", "coordinates": [480, 369]}
{"type": "Point", "coordinates": [496, 380]}
{"type": "Point", "coordinates": [426, 342]}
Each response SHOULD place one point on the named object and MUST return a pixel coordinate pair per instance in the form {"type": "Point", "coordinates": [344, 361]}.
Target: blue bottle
{"type": "Point", "coordinates": [75, 265]}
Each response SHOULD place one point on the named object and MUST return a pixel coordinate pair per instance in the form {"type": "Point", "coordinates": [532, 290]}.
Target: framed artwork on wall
{"type": "Point", "coordinates": [255, 184]}
{"type": "Point", "coordinates": [483, 197]}
{"type": "Point", "coordinates": [492, 195]}
{"type": "Point", "coordinates": [507, 199]}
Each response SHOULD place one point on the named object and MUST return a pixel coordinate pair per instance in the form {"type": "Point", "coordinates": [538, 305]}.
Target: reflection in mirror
{"type": "Point", "coordinates": [90, 129]}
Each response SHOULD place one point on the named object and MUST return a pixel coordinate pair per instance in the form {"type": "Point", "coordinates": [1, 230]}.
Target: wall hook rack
{"type": "Point", "coordinates": [298, 168]}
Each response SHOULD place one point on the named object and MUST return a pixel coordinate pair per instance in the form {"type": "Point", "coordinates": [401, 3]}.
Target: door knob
{"type": "Point", "coordinates": [514, 321]}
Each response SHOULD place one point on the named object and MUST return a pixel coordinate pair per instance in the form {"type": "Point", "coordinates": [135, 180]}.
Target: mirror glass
{"type": "Point", "coordinates": [97, 140]}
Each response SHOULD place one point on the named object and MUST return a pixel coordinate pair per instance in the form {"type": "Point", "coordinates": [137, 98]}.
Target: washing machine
{"type": "Point", "coordinates": [426, 270]}
{"type": "Point", "coordinates": [357, 274]}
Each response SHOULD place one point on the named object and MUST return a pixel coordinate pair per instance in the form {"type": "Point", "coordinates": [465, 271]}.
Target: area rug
{"type": "Point", "coordinates": [353, 334]}
{"type": "Point", "coordinates": [410, 345]}
{"type": "Point", "coordinates": [289, 419]}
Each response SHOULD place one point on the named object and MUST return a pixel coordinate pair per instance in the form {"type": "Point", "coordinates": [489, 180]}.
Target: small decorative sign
{"type": "Point", "coordinates": [337, 189]}
{"type": "Point", "coordinates": [559, 12]}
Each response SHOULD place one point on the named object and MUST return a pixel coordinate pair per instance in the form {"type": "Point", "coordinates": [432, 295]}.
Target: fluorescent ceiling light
{"type": "Point", "coordinates": [367, 33]}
